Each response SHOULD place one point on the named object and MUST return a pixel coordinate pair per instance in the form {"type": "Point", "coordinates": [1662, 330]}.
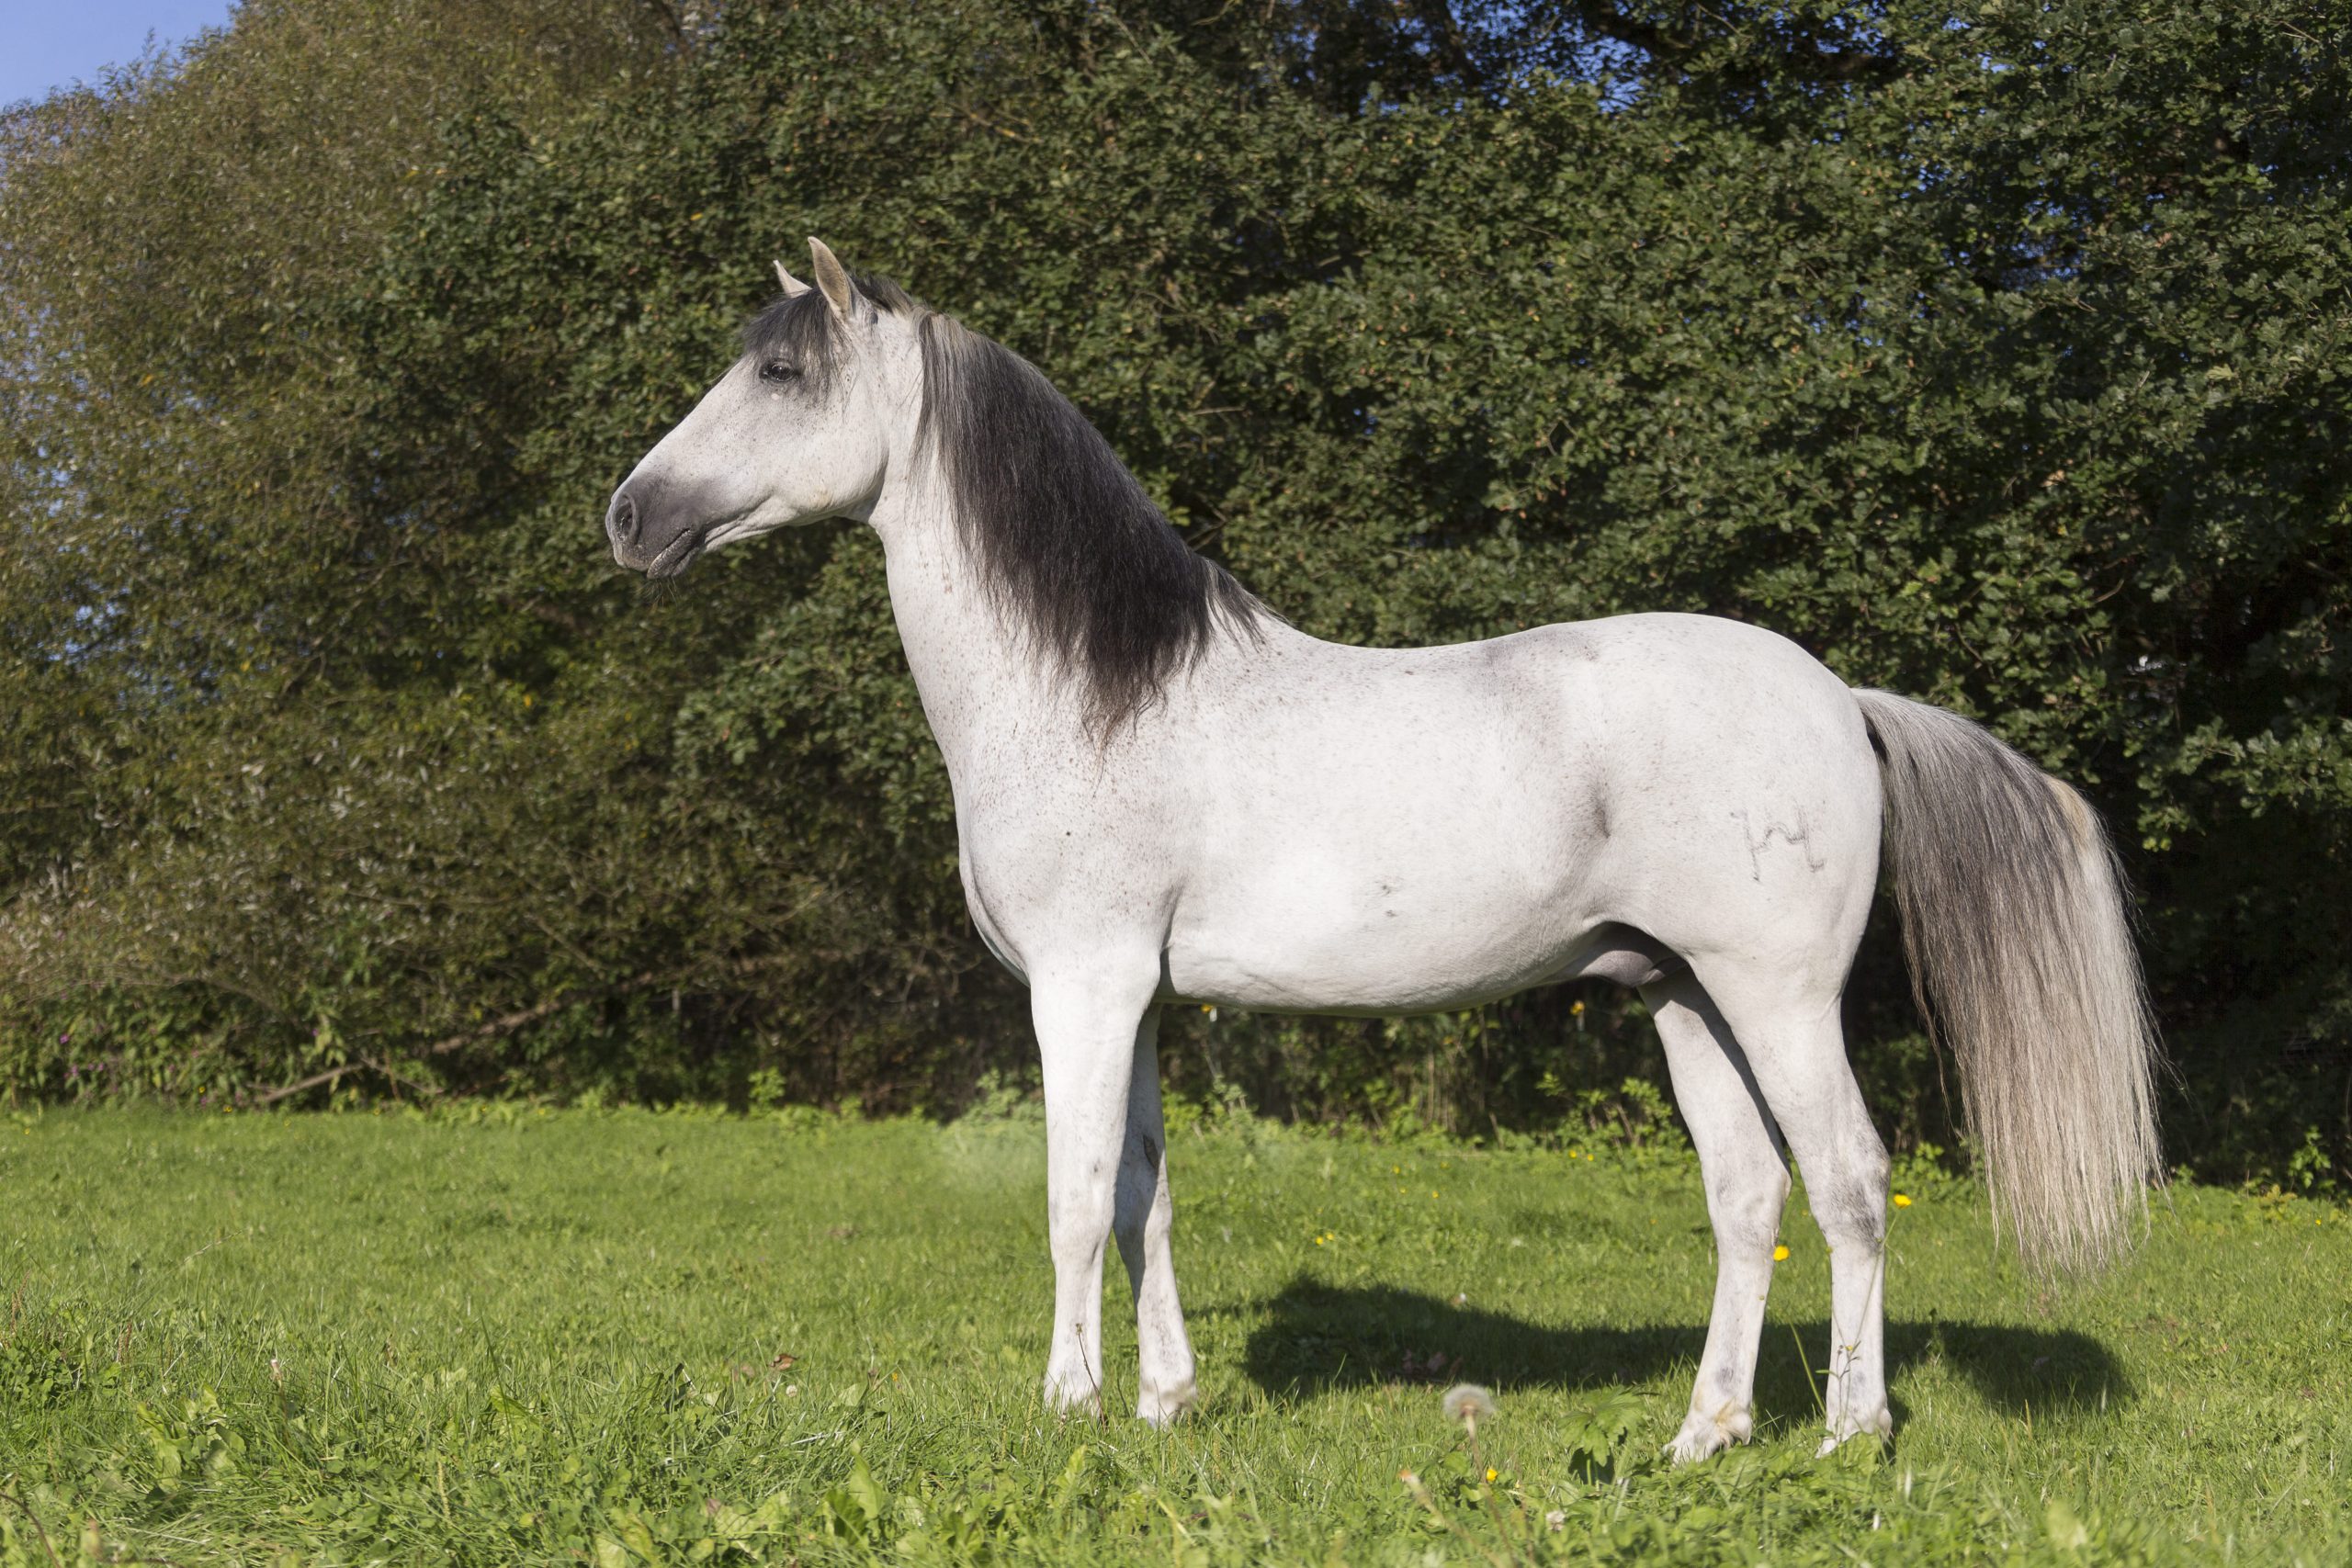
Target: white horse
{"type": "Point", "coordinates": [1164, 793]}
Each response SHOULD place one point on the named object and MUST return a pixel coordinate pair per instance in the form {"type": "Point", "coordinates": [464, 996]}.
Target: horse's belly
{"type": "Point", "coordinates": [1378, 954]}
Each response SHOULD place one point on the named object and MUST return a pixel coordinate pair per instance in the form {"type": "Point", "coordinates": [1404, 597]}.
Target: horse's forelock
{"type": "Point", "coordinates": [799, 328]}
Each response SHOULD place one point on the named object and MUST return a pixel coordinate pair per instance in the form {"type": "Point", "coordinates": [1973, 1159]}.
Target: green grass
{"type": "Point", "coordinates": [548, 1336]}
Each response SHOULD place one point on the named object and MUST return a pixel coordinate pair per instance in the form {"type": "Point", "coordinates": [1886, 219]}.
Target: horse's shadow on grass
{"type": "Point", "coordinates": [1321, 1338]}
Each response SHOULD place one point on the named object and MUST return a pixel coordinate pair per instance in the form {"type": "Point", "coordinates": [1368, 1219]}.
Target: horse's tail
{"type": "Point", "coordinates": [2019, 933]}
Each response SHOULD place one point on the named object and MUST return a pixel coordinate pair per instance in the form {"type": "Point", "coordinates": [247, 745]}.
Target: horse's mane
{"type": "Point", "coordinates": [1065, 540]}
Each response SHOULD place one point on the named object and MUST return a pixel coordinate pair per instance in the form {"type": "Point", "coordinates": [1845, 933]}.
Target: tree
{"type": "Point", "coordinates": [2001, 358]}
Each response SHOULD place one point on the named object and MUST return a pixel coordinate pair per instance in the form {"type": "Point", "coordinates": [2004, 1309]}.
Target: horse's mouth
{"type": "Point", "coordinates": [679, 553]}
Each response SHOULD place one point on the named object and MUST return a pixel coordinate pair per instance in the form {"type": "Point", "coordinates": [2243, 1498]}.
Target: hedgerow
{"type": "Point", "coordinates": [1996, 354]}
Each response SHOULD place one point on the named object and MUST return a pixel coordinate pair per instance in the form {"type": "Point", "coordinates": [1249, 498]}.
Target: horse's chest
{"type": "Point", "coordinates": [992, 897]}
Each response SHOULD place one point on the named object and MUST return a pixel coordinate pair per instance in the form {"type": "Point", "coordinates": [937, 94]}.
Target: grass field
{"type": "Point", "coordinates": [524, 1335]}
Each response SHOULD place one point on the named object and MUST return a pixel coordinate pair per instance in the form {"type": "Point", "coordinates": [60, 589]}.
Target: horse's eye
{"type": "Point", "coordinates": [776, 372]}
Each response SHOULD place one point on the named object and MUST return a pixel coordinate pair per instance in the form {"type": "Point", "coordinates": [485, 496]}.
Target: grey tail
{"type": "Point", "coordinates": [2018, 929]}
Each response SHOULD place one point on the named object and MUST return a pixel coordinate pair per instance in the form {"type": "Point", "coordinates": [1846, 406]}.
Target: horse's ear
{"type": "Point", "coordinates": [832, 279]}
{"type": "Point", "coordinates": [793, 287]}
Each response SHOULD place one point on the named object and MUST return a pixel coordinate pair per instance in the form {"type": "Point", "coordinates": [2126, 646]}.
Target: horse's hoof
{"type": "Point", "coordinates": [1879, 1425]}
{"type": "Point", "coordinates": [1163, 1408]}
{"type": "Point", "coordinates": [1704, 1436]}
{"type": "Point", "coordinates": [1065, 1399]}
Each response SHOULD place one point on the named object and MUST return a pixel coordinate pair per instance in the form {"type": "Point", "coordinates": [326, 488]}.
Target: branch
{"type": "Point", "coordinates": [1446, 42]}
{"type": "Point", "coordinates": [1613, 24]}
{"type": "Point", "coordinates": [507, 1023]}
{"type": "Point", "coordinates": [1670, 46]}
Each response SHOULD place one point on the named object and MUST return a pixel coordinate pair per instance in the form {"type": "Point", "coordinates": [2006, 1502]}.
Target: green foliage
{"type": "Point", "coordinates": [1999, 356]}
{"type": "Point", "coordinates": [510, 1333]}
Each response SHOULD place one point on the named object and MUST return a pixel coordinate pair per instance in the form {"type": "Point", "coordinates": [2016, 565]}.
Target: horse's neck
{"type": "Point", "coordinates": [985, 690]}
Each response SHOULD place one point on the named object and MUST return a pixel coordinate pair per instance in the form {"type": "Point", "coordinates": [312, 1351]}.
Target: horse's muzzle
{"type": "Point", "coordinates": [658, 528]}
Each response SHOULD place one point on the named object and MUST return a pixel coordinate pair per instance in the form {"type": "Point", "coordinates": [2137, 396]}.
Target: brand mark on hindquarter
{"type": "Point", "coordinates": [1799, 837]}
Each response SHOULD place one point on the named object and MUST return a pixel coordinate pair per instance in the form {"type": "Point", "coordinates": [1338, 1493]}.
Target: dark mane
{"type": "Point", "coordinates": [1065, 538]}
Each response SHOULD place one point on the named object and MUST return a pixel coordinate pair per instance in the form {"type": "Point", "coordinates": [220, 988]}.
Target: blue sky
{"type": "Point", "coordinates": [46, 44]}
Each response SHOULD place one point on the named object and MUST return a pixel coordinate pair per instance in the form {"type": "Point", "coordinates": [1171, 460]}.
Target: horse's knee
{"type": "Point", "coordinates": [1078, 1214]}
{"type": "Point", "coordinates": [1746, 1210]}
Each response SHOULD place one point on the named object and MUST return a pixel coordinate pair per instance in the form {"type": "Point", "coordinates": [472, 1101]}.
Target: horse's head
{"type": "Point", "coordinates": [799, 428]}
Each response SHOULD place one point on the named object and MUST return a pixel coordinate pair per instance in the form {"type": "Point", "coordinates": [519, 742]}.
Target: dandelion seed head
{"type": "Point", "coordinates": [1468, 1404]}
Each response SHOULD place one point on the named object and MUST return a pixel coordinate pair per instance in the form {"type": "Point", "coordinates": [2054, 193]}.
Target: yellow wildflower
{"type": "Point", "coordinates": [1779, 1255]}
{"type": "Point", "coordinates": [1902, 1200]}
{"type": "Point", "coordinates": [1491, 1475]}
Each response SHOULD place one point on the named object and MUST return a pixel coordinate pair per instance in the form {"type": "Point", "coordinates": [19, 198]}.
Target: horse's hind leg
{"type": "Point", "coordinates": [1164, 1384]}
{"type": "Point", "coordinates": [1796, 1053]}
{"type": "Point", "coordinates": [1740, 1159]}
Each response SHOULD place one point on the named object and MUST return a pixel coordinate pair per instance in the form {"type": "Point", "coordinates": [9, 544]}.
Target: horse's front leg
{"type": "Point", "coordinates": [1164, 1381]}
{"type": "Point", "coordinates": [1087, 1019]}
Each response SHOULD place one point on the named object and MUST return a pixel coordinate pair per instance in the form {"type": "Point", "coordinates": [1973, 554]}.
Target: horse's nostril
{"type": "Point", "coordinates": [624, 518]}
